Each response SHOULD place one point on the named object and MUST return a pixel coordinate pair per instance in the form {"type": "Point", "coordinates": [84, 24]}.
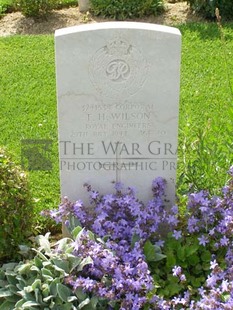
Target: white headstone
{"type": "Point", "coordinates": [118, 94]}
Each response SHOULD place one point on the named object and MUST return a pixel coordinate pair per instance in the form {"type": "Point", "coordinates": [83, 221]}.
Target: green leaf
{"type": "Point", "coordinates": [38, 296]}
{"type": "Point", "coordinates": [73, 223]}
{"type": "Point", "coordinates": [21, 282]}
{"type": "Point", "coordinates": [193, 260]}
{"type": "Point", "coordinates": [171, 259]}
{"type": "Point", "coordinates": [196, 282]}
{"type": "Point", "coordinates": [149, 251]}
{"type": "Point", "coordinates": [47, 274]}
{"type": "Point", "coordinates": [198, 269]}
{"type": "Point", "coordinates": [36, 284]}
{"type": "Point", "coordinates": [63, 291]}
{"type": "Point", "coordinates": [190, 250]}
{"type": "Point", "coordinates": [11, 279]}
{"type": "Point", "coordinates": [12, 288]}
{"type": "Point", "coordinates": [206, 256]}
{"type": "Point", "coordinates": [75, 261]}
{"type": "Point", "coordinates": [9, 266]}
{"type": "Point", "coordinates": [80, 294]}
{"type": "Point", "coordinates": [71, 298]}
{"type": "Point", "coordinates": [44, 242]}
{"type": "Point", "coordinates": [104, 239]}
{"type": "Point", "coordinates": [24, 250]}
{"type": "Point", "coordinates": [23, 269]}
{"type": "Point", "coordinates": [225, 297]}
{"type": "Point", "coordinates": [41, 255]}
{"type": "Point", "coordinates": [66, 306]}
{"type": "Point", "coordinates": [63, 244]}
{"type": "Point", "coordinates": [53, 287]}
{"type": "Point", "coordinates": [47, 299]}
{"type": "Point", "coordinates": [5, 293]}
{"type": "Point", "coordinates": [36, 269]}
{"type": "Point", "coordinates": [28, 289]}
{"type": "Point", "coordinates": [29, 304]}
{"type": "Point", "coordinates": [86, 261]}
{"type": "Point", "coordinates": [76, 231]}
{"type": "Point", "coordinates": [3, 283]}
{"type": "Point", "coordinates": [91, 235]}
{"type": "Point", "coordinates": [84, 303]}
{"type": "Point", "coordinates": [2, 275]}
{"type": "Point", "coordinates": [174, 288]}
{"type": "Point", "coordinates": [62, 264]}
{"type": "Point", "coordinates": [60, 270]}
{"type": "Point", "coordinates": [45, 289]}
{"type": "Point", "coordinates": [159, 257]}
{"type": "Point", "coordinates": [94, 301]}
{"type": "Point", "coordinates": [153, 252]}
{"type": "Point", "coordinates": [19, 304]}
{"type": "Point", "coordinates": [38, 262]}
{"type": "Point", "coordinates": [172, 242]}
{"type": "Point", "coordinates": [157, 249]}
{"type": "Point", "coordinates": [7, 305]}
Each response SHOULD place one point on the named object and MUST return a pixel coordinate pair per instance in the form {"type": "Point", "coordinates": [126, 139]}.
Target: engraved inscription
{"type": "Point", "coordinates": [118, 70]}
{"type": "Point", "coordinates": [121, 119]}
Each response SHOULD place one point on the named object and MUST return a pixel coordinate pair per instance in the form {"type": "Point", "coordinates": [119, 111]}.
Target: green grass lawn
{"type": "Point", "coordinates": [206, 106]}
{"type": "Point", "coordinates": [28, 106]}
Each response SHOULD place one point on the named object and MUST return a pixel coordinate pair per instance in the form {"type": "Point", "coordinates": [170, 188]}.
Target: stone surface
{"type": "Point", "coordinates": [83, 5]}
{"type": "Point", "coordinates": [118, 94]}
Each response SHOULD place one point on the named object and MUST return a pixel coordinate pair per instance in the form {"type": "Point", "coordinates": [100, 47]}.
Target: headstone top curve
{"type": "Point", "coordinates": [117, 25]}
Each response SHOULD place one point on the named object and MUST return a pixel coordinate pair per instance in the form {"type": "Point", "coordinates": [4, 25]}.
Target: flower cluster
{"type": "Point", "coordinates": [125, 224]}
{"type": "Point", "coordinates": [121, 215]}
{"type": "Point", "coordinates": [177, 272]}
{"type": "Point", "coordinates": [105, 275]}
{"type": "Point", "coordinates": [121, 218]}
{"type": "Point", "coordinates": [197, 272]}
{"type": "Point", "coordinates": [209, 221]}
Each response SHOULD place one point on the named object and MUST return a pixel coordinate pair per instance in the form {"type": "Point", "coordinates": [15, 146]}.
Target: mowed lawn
{"type": "Point", "coordinates": [28, 107]}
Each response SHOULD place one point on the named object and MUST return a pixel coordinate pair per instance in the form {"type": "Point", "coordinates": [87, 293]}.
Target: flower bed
{"type": "Point", "coordinates": [119, 257]}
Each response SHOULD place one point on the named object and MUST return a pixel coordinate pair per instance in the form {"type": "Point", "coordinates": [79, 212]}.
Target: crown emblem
{"type": "Point", "coordinates": [118, 47]}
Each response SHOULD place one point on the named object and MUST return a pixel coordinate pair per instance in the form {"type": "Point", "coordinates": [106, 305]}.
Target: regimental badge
{"type": "Point", "coordinates": [118, 69]}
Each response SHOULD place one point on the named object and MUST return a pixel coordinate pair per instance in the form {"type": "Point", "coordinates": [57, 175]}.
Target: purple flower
{"type": "Point", "coordinates": [192, 224]}
{"type": "Point", "coordinates": [211, 280]}
{"type": "Point", "coordinates": [177, 234]}
{"type": "Point", "coordinates": [225, 286]}
{"type": "Point", "coordinates": [182, 278]}
{"type": "Point", "coordinates": [175, 209]}
{"type": "Point", "coordinates": [230, 171]}
{"type": "Point", "coordinates": [176, 271]}
{"type": "Point", "coordinates": [203, 240]}
{"type": "Point", "coordinates": [224, 241]}
{"type": "Point", "coordinates": [160, 243]}
{"type": "Point", "coordinates": [213, 264]}
{"type": "Point", "coordinates": [201, 291]}
{"type": "Point", "coordinates": [158, 186]}
{"type": "Point", "coordinates": [172, 220]}
{"type": "Point", "coordinates": [94, 195]}
{"type": "Point", "coordinates": [116, 269]}
{"type": "Point", "coordinates": [118, 186]}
